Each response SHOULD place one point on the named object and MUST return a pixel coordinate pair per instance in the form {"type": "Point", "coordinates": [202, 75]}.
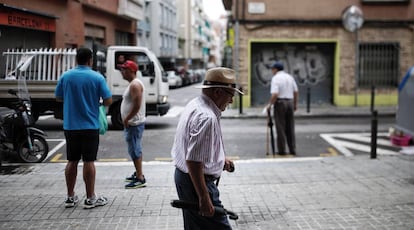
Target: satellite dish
{"type": "Point", "coordinates": [352, 18]}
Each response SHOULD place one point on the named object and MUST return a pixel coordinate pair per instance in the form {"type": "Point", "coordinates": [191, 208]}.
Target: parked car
{"type": "Point", "coordinates": [183, 75]}
{"type": "Point", "coordinates": [173, 80]}
{"type": "Point", "coordinates": [192, 75]}
{"type": "Point", "coordinates": [200, 74]}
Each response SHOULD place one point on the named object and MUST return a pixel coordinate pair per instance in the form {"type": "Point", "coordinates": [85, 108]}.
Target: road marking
{"type": "Point", "coordinates": [56, 158]}
{"type": "Point", "coordinates": [113, 160]}
{"type": "Point", "coordinates": [279, 156]}
{"type": "Point", "coordinates": [345, 142]}
{"type": "Point", "coordinates": [167, 159]}
{"type": "Point", "coordinates": [45, 117]}
{"type": "Point", "coordinates": [56, 148]}
{"type": "Point", "coordinates": [258, 160]}
{"type": "Point", "coordinates": [331, 153]}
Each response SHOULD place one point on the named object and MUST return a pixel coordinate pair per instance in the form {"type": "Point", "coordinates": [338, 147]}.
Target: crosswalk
{"type": "Point", "coordinates": [349, 144]}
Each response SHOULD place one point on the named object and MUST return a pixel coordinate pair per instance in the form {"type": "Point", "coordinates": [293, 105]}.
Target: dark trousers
{"type": "Point", "coordinates": [192, 220]}
{"type": "Point", "coordinates": [285, 125]}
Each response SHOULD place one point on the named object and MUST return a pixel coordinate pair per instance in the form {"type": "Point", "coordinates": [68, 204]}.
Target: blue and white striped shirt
{"type": "Point", "coordinates": [198, 137]}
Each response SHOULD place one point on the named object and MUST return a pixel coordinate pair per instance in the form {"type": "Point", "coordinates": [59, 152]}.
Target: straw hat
{"type": "Point", "coordinates": [220, 77]}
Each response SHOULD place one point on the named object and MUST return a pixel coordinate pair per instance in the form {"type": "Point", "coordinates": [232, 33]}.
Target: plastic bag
{"type": "Point", "coordinates": [103, 122]}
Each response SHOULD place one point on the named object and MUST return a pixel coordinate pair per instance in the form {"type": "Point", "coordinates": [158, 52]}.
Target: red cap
{"type": "Point", "coordinates": [128, 64]}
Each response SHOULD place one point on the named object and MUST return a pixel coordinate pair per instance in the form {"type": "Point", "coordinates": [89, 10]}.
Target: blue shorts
{"type": "Point", "coordinates": [133, 137]}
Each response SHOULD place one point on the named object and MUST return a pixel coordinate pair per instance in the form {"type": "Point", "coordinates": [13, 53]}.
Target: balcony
{"type": "Point", "coordinates": [132, 9]}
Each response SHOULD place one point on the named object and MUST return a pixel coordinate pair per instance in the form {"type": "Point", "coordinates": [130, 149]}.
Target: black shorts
{"type": "Point", "coordinates": [82, 144]}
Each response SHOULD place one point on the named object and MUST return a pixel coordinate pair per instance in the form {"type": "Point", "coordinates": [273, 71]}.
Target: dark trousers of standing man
{"type": "Point", "coordinates": [285, 125]}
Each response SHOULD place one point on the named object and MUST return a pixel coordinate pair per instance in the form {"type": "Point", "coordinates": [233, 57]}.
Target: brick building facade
{"type": "Point", "coordinates": [310, 39]}
{"type": "Point", "coordinates": [38, 24]}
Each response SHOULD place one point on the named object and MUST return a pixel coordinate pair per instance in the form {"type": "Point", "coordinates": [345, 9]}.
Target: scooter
{"type": "Point", "coordinates": [17, 134]}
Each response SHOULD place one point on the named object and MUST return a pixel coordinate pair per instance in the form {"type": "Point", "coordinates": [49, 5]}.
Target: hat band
{"type": "Point", "coordinates": [219, 83]}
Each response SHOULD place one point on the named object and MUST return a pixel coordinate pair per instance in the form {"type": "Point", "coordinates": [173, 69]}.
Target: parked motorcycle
{"type": "Point", "coordinates": [17, 134]}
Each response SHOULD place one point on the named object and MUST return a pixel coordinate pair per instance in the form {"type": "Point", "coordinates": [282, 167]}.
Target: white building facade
{"type": "Point", "coordinates": [158, 30]}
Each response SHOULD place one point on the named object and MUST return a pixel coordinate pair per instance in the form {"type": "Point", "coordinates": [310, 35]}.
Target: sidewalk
{"type": "Point", "coordinates": [315, 111]}
{"type": "Point", "coordinates": [291, 193]}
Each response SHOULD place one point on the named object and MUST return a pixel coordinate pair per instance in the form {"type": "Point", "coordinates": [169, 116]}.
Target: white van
{"type": "Point", "coordinates": [43, 68]}
{"type": "Point", "coordinates": [151, 73]}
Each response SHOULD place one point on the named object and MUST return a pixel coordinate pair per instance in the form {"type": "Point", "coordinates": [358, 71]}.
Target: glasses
{"type": "Point", "coordinates": [228, 92]}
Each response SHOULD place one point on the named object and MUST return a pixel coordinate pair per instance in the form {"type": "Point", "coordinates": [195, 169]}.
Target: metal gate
{"type": "Point", "coordinates": [311, 64]}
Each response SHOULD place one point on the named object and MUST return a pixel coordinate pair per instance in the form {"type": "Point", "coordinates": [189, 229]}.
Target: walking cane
{"type": "Point", "coordinates": [194, 206]}
{"type": "Point", "coordinates": [270, 125]}
{"type": "Point", "coordinates": [267, 139]}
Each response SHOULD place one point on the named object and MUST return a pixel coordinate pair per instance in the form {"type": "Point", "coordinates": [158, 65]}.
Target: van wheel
{"type": "Point", "coordinates": [116, 118]}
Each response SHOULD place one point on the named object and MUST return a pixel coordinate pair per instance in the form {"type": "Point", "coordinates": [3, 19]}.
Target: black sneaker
{"type": "Point", "coordinates": [95, 202]}
{"type": "Point", "coordinates": [137, 183]}
{"type": "Point", "coordinates": [131, 178]}
{"type": "Point", "coordinates": [71, 201]}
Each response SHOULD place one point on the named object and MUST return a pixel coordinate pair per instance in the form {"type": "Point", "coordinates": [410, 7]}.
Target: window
{"type": "Point", "coordinates": [379, 65]}
{"type": "Point", "coordinates": [143, 61]}
{"type": "Point", "coordinates": [385, 1]}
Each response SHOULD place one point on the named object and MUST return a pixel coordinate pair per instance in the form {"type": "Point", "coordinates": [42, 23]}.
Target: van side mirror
{"type": "Point", "coordinates": [151, 69]}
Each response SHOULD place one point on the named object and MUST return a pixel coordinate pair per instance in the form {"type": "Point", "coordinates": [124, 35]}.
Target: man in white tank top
{"type": "Point", "coordinates": [133, 117]}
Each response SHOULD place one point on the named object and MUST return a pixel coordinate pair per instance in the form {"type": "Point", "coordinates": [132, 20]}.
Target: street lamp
{"type": "Point", "coordinates": [352, 19]}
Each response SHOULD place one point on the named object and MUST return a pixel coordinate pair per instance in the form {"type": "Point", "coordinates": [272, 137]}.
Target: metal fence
{"type": "Point", "coordinates": [41, 65]}
{"type": "Point", "coordinates": [379, 65]}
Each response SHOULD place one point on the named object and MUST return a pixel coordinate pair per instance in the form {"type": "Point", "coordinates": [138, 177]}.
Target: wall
{"type": "Point", "coordinates": [303, 21]}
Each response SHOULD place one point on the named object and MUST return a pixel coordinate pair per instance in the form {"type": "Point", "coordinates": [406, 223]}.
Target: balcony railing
{"type": "Point", "coordinates": [131, 9]}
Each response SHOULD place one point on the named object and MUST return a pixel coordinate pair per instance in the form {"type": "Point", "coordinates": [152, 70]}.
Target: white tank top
{"type": "Point", "coordinates": [126, 106]}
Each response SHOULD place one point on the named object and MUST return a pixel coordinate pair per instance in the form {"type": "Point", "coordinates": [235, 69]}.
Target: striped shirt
{"type": "Point", "coordinates": [198, 137]}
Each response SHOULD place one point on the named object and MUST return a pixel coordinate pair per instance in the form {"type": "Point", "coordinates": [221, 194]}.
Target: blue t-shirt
{"type": "Point", "coordinates": [81, 89]}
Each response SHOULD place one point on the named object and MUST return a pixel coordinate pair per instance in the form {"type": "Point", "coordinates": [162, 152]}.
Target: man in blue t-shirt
{"type": "Point", "coordinates": [81, 89]}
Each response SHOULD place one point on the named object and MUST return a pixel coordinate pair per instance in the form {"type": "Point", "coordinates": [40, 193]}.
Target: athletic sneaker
{"type": "Point", "coordinates": [131, 178]}
{"type": "Point", "coordinates": [95, 202]}
{"type": "Point", "coordinates": [71, 201]}
{"type": "Point", "coordinates": [137, 183]}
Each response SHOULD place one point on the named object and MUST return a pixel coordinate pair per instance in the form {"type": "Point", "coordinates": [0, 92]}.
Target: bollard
{"type": "Point", "coordinates": [308, 95]}
{"type": "Point", "coordinates": [372, 98]}
{"type": "Point", "coordinates": [241, 101]}
{"type": "Point", "coordinates": [374, 129]}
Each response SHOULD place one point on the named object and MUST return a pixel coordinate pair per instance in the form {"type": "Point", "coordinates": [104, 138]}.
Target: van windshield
{"type": "Point", "coordinates": [142, 60]}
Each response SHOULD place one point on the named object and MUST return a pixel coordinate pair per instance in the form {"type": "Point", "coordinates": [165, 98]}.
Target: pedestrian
{"type": "Point", "coordinates": [81, 90]}
{"type": "Point", "coordinates": [284, 98]}
{"type": "Point", "coordinates": [133, 118]}
{"type": "Point", "coordinates": [198, 150]}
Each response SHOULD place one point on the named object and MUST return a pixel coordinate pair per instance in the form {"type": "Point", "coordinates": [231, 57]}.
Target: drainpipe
{"type": "Point", "coordinates": [236, 52]}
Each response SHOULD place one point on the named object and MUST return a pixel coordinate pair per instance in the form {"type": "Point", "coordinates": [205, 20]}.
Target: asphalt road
{"type": "Point", "coordinates": [243, 138]}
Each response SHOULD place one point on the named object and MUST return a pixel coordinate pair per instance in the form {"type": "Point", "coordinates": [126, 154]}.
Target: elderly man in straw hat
{"type": "Point", "coordinates": [198, 150]}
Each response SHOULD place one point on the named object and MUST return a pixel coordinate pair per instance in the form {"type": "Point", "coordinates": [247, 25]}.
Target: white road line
{"type": "Point", "coordinates": [45, 117]}
{"type": "Point", "coordinates": [365, 137]}
{"type": "Point", "coordinates": [58, 146]}
{"type": "Point", "coordinates": [328, 138]}
{"type": "Point", "coordinates": [364, 148]}
{"type": "Point", "coordinates": [344, 146]}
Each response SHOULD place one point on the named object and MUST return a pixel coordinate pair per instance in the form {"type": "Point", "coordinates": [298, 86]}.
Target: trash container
{"type": "Point", "coordinates": [405, 110]}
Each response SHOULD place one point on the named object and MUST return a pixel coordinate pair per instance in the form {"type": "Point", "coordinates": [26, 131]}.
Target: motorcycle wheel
{"type": "Point", "coordinates": [39, 153]}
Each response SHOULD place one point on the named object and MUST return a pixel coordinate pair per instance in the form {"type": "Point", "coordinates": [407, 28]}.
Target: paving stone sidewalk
{"type": "Point", "coordinates": [292, 193]}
